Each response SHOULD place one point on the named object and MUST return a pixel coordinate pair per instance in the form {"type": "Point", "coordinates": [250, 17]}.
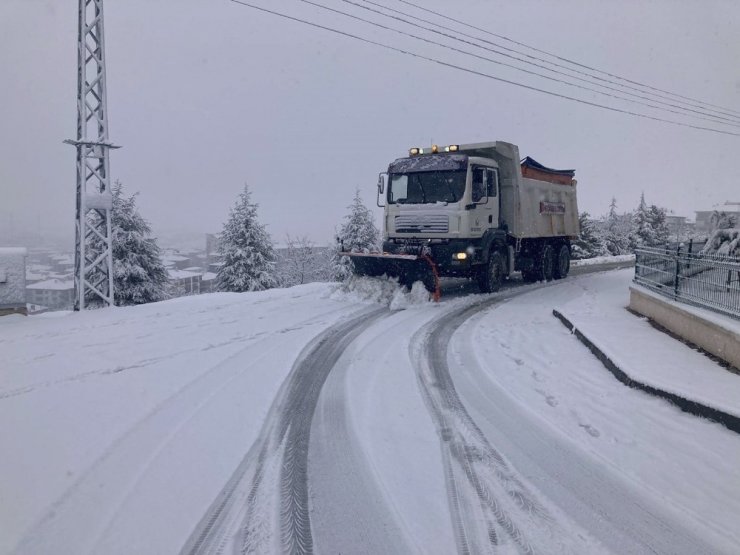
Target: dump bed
{"type": "Point", "coordinates": [531, 208]}
{"type": "Point", "coordinates": [543, 210]}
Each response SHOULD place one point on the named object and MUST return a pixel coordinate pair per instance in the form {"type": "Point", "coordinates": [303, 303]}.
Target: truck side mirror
{"type": "Point", "coordinates": [381, 189]}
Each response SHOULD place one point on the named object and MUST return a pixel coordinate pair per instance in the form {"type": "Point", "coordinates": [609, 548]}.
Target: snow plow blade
{"type": "Point", "coordinates": [408, 268]}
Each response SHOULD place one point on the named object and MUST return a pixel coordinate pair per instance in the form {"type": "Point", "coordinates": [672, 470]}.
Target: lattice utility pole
{"type": "Point", "coordinates": [93, 241]}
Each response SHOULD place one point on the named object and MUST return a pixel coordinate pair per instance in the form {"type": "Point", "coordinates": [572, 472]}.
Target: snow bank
{"type": "Point", "coordinates": [382, 291]}
{"type": "Point", "coordinates": [603, 260]}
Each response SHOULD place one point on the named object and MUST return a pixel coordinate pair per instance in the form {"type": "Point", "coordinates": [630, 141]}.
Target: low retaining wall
{"type": "Point", "coordinates": [722, 342]}
{"type": "Point", "coordinates": [690, 406]}
{"type": "Point", "coordinates": [9, 311]}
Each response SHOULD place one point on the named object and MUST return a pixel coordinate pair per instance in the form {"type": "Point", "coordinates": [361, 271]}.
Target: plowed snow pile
{"type": "Point", "coordinates": [385, 292]}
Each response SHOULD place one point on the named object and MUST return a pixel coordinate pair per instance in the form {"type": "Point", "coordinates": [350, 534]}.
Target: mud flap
{"type": "Point", "coordinates": [407, 268]}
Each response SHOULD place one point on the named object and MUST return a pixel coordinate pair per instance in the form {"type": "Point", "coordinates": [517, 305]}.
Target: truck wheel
{"type": "Point", "coordinates": [562, 263]}
{"type": "Point", "coordinates": [546, 264]}
{"type": "Point", "coordinates": [490, 279]}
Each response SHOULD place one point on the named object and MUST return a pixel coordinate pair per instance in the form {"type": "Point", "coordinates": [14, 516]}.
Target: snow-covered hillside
{"type": "Point", "coordinates": [317, 417]}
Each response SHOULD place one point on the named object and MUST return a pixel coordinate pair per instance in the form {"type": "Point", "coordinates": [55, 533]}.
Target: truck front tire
{"type": "Point", "coordinates": [489, 281]}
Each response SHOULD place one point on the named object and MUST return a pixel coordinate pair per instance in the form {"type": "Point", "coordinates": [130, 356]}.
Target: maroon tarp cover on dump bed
{"type": "Point", "coordinates": [532, 169]}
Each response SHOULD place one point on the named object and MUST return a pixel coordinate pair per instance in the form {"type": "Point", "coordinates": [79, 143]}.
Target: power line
{"type": "Point", "coordinates": [467, 53]}
{"type": "Point", "coordinates": [479, 73]}
{"type": "Point", "coordinates": [705, 111]}
{"type": "Point", "coordinates": [503, 37]}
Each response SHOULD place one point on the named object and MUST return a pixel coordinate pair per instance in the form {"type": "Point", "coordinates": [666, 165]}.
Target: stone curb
{"type": "Point", "coordinates": [730, 421]}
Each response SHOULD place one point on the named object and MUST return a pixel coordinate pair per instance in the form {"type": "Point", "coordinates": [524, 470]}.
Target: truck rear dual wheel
{"type": "Point", "coordinates": [561, 266]}
{"type": "Point", "coordinates": [547, 264]}
{"type": "Point", "coordinates": [490, 278]}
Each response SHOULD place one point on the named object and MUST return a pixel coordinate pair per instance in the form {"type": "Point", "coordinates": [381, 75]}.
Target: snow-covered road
{"type": "Point", "coordinates": [306, 420]}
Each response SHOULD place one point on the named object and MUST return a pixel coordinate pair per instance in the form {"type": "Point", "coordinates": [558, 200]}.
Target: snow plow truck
{"type": "Point", "coordinates": [475, 211]}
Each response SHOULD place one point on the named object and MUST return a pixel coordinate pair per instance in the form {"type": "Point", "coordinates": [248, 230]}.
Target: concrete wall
{"type": "Point", "coordinates": [723, 342]}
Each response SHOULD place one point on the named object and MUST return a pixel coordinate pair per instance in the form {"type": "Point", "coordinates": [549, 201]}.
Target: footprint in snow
{"type": "Point", "coordinates": [593, 432]}
{"type": "Point", "coordinates": [549, 399]}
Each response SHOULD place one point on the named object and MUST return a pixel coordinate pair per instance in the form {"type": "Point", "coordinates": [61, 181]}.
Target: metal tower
{"type": "Point", "coordinates": [93, 245]}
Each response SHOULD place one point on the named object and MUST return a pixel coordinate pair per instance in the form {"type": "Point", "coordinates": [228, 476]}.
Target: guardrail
{"type": "Point", "coordinates": [704, 280]}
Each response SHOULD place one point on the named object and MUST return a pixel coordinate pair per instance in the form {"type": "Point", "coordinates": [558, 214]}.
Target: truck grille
{"type": "Point", "coordinates": [428, 223]}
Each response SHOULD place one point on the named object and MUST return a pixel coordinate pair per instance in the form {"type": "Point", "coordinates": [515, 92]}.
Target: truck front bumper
{"type": "Point", "coordinates": [443, 252]}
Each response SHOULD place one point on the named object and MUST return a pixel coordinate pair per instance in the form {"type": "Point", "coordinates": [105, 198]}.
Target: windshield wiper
{"type": "Point", "coordinates": [449, 188]}
{"type": "Point", "coordinates": [421, 188]}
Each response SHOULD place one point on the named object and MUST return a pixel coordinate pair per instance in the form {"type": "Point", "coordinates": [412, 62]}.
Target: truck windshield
{"type": "Point", "coordinates": [426, 187]}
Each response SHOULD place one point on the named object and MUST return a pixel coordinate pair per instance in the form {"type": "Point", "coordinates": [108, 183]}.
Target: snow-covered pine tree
{"type": "Point", "coordinates": [612, 210]}
{"type": "Point", "coordinates": [358, 233]}
{"type": "Point", "coordinates": [722, 220]}
{"type": "Point", "coordinates": [659, 223]}
{"type": "Point", "coordinates": [246, 250]}
{"type": "Point", "coordinates": [643, 233]}
{"type": "Point", "coordinates": [590, 243]}
{"type": "Point", "coordinates": [616, 230]}
{"type": "Point", "coordinates": [139, 275]}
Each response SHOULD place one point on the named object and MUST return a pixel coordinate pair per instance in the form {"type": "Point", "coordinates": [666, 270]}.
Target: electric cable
{"type": "Point", "coordinates": [480, 73]}
{"type": "Point", "coordinates": [561, 58]}
{"type": "Point", "coordinates": [667, 100]}
{"type": "Point", "coordinates": [713, 119]}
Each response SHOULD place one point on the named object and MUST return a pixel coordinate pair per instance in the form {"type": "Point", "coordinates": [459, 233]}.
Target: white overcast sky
{"type": "Point", "coordinates": [205, 95]}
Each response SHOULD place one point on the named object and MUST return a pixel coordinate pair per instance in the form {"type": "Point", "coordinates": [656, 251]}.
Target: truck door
{"type": "Point", "coordinates": [486, 197]}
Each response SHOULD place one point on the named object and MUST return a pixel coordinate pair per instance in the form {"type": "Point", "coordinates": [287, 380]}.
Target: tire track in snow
{"type": "Point", "coordinates": [246, 517]}
{"type": "Point", "coordinates": [492, 509]}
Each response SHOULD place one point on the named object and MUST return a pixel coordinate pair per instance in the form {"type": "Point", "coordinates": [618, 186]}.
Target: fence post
{"type": "Point", "coordinates": [678, 271]}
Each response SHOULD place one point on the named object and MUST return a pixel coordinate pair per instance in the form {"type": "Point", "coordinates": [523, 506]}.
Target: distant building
{"type": "Point", "coordinates": [704, 219]}
{"type": "Point", "coordinates": [55, 294]}
{"type": "Point", "coordinates": [12, 280]}
{"type": "Point", "coordinates": [176, 260]}
{"type": "Point", "coordinates": [208, 283]}
{"type": "Point", "coordinates": [677, 225]}
{"type": "Point", "coordinates": [36, 273]}
{"type": "Point", "coordinates": [184, 282]}
{"type": "Point", "coordinates": [62, 263]}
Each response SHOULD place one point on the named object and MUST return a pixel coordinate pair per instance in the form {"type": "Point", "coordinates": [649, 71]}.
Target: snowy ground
{"type": "Point", "coordinates": [317, 418]}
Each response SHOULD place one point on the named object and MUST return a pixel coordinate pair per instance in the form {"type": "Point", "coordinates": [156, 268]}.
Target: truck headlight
{"type": "Point", "coordinates": [460, 256]}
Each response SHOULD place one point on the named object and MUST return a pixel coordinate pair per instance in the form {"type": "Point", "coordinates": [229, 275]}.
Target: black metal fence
{"type": "Point", "coordinates": [704, 280]}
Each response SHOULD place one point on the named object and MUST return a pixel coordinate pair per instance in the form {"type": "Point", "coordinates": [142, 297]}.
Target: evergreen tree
{"type": "Point", "coordinates": [612, 210]}
{"type": "Point", "coordinates": [643, 233]}
{"type": "Point", "coordinates": [246, 250]}
{"type": "Point", "coordinates": [590, 243]}
{"type": "Point", "coordinates": [139, 276]}
{"type": "Point", "coordinates": [357, 234]}
{"type": "Point", "coordinates": [616, 230]}
{"type": "Point", "coordinates": [659, 223]}
{"type": "Point", "coordinates": [722, 220]}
